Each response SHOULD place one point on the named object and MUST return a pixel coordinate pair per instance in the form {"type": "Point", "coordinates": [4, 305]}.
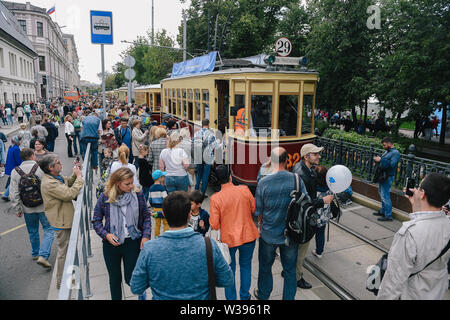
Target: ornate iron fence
{"type": "Point", "coordinates": [359, 159]}
{"type": "Point", "coordinates": [75, 282]}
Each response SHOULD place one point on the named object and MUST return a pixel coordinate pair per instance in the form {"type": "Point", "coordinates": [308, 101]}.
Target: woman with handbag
{"type": "Point", "coordinates": [127, 227]}
{"type": "Point", "coordinates": [70, 133]}
{"type": "Point", "coordinates": [231, 211]}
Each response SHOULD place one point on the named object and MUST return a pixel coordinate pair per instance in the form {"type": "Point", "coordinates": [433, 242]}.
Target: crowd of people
{"type": "Point", "coordinates": [148, 173]}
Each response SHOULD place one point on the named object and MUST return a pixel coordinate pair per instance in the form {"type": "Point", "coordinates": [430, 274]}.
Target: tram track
{"type": "Point", "coordinates": [328, 279]}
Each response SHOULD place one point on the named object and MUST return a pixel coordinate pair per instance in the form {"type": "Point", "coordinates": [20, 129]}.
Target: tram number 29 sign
{"type": "Point", "coordinates": [283, 47]}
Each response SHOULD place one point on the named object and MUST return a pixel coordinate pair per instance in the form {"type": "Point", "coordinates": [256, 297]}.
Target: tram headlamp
{"type": "Point", "coordinates": [271, 59]}
{"type": "Point", "coordinates": [303, 61]}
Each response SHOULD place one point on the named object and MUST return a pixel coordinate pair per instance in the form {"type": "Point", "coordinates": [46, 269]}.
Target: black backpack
{"type": "Point", "coordinates": [30, 188]}
{"type": "Point", "coordinates": [301, 218]}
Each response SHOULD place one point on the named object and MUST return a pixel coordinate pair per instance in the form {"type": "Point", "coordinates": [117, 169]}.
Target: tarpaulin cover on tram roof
{"type": "Point", "coordinates": [201, 64]}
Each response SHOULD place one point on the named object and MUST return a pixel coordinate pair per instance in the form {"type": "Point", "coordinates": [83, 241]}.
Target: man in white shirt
{"type": "Point", "coordinates": [420, 241]}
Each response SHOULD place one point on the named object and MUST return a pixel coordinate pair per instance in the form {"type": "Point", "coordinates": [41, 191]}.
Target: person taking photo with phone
{"type": "Point", "coordinates": [417, 260]}
{"type": "Point", "coordinates": [388, 162]}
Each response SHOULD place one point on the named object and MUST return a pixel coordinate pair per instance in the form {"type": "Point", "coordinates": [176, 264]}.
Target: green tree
{"type": "Point", "coordinates": [244, 27]}
{"type": "Point", "coordinates": [339, 49]}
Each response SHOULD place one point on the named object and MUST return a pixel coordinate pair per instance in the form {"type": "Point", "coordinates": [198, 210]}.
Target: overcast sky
{"type": "Point", "coordinates": [130, 19]}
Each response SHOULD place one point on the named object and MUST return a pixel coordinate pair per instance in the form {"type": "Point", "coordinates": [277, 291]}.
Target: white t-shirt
{"type": "Point", "coordinates": [117, 165]}
{"type": "Point", "coordinates": [193, 221]}
{"type": "Point", "coordinates": [173, 161]}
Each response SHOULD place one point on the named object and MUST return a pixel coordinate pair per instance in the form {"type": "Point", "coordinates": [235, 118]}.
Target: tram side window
{"type": "Point", "coordinates": [184, 109]}
{"type": "Point", "coordinates": [174, 107]}
{"type": "Point", "coordinates": [198, 111]}
{"type": "Point", "coordinates": [307, 113]}
{"type": "Point", "coordinates": [190, 111]}
{"type": "Point", "coordinates": [287, 115]}
{"type": "Point", "coordinates": [261, 115]}
{"type": "Point", "coordinates": [206, 110]}
{"type": "Point", "coordinates": [170, 105]}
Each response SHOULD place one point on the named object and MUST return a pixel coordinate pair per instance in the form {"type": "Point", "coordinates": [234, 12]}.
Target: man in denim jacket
{"type": "Point", "coordinates": [388, 162]}
{"type": "Point", "coordinates": [174, 265]}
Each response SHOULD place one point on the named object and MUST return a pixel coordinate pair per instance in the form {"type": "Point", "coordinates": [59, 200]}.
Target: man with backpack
{"type": "Point", "coordinates": [273, 197]}
{"type": "Point", "coordinates": [310, 155]}
{"type": "Point", "coordinates": [417, 260]}
{"type": "Point", "coordinates": [25, 193]}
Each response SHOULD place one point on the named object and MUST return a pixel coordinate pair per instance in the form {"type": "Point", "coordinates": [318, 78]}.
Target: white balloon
{"type": "Point", "coordinates": [339, 178]}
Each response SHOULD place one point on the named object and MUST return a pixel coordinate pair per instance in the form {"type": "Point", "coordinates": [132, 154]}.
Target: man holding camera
{"type": "Point", "coordinates": [388, 162]}
{"type": "Point", "coordinates": [417, 260]}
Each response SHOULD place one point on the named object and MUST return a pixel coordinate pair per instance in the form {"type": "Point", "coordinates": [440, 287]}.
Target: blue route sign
{"type": "Point", "coordinates": [101, 27]}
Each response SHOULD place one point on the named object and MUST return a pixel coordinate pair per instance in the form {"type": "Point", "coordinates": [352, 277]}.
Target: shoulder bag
{"type": "Point", "coordinates": [211, 275]}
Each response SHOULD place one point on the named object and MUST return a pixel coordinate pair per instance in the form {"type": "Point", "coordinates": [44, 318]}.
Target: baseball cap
{"type": "Point", "coordinates": [309, 148]}
{"type": "Point", "coordinates": [158, 174]}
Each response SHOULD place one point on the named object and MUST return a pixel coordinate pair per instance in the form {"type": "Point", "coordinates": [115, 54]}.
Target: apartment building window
{"type": "Point", "coordinates": [21, 67]}
{"type": "Point", "coordinates": [2, 61]}
{"type": "Point", "coordinates": [41, 63]}
{"type": "Point", "coordinates": [23, 25]}
{"type": "Point", "coordinates": [13, 64]}
{"type": "Point", "coordinates": [40, 29]}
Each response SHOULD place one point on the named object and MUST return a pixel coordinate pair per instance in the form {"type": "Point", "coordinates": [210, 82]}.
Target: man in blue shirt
{"type": "Point", "coordinates": [174, 264]}
{"type": "Point", "coordinates": [123, 135]}
{"type": "Point", "coordinates": [90, 133]}
{"type": "Point", "coordinates": [272, 201]}
{"type": "Point", "coordinates": [388, 162]}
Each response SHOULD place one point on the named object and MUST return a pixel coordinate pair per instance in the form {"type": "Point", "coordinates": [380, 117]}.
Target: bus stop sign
{"type": "Point", "coordinates": [101, 27]}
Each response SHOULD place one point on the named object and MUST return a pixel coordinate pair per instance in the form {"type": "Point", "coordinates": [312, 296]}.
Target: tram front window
{"type": "Point", "coordinates": [307, 113]}
{"type": "Point", "coordinates": [261, 116]}
{"type": "Point", "coordinates": [288, 115]}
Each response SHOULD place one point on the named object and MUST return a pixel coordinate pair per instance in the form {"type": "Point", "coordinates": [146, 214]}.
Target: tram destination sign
{"type": "Point", "coordinates": [101, 27]}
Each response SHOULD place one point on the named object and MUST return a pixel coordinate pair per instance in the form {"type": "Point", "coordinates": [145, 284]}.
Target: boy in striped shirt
{"type": "Point", "coordinates": [158, 193]}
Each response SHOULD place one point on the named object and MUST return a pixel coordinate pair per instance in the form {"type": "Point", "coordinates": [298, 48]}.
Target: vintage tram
{"type": "Point", "coordinates": [255, 109]}
{"type": "Point", "coordinates": [150, 95]}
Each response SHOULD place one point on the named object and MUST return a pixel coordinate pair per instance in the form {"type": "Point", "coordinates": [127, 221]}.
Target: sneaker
{"type": "Point", "coordinates": [303, 284]}
{"type": "Point", "coordinates": [348, 202]}
{"type": "Point", "coordinates": [384, 219]}
{"type": "Point", "coordinates": [43, 262]}
{"type": "Point", "coordinates": [255, 293]}
{"type": "Point", "coordinates": [35, 258]}
{"type": "Point", "coordinates": [378, 214]}
{"type": "Point", "coordinates": [317, 255]}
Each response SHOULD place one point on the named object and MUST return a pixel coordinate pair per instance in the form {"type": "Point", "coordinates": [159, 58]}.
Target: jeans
{"type": "Point", "coordinates": [10, 120]}
{"type": "Point", "coordinates": [37, 249]}
{"type": "Point", "coordinates": [28, 116]}
{"type": "Point", "coordinates": [51, 146]}
{"type": "Point", "coordinates": [384, 189]}
{"type": "Point", "coordinates": [69, 146]}
{"type": "Point", "coordinates": [5, 121]}
{"type": "Point", "coordinates": [128, 252]}
{"type": "Point", "coordinates": [146, 192]}
{"type": "Point", "coordinates": [94, 150]}
{"type": "Point", "coordinates": [245, 266]}
{"type": "Point", "coordinates": [6, 193]}
{"type": "Point", "coordinates": [203, 171]}
{"type": "Point", "coordinates": [177, 183]}
{"type": "Point", "coordinates": [320, 239]}
{"type": "Point", "coordinates": [266, 257]}
{"type": "Point", "coordinates": [75, 138]}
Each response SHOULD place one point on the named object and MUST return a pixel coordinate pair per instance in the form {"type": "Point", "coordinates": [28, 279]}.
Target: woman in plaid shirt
{"type": "Point", "coordinates": [156, 147]}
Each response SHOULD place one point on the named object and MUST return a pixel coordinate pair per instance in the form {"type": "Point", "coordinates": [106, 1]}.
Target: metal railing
{"type": "Point", "coordinates": [75, 282]}
{"type": "Point", "coordinates": [359, 159]}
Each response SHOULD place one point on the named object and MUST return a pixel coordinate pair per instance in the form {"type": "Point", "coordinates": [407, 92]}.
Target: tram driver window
{"type": "Point", "coordinates": [307, 113]}
{"type": "Point", "coordinates": [261, 116]}
{"type": "Point", "coordinates": [288, 115]}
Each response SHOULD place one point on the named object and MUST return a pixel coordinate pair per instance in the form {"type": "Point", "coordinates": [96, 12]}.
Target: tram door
{"type": "Point", "coordinates": [223, 103]}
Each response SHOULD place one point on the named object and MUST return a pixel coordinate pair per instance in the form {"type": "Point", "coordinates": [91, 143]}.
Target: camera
{"type": "Point", "coordinates": [410, 184]}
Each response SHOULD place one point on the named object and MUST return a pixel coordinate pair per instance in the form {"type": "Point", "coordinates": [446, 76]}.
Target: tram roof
{"type": "Point", "coordinates": [150, 86]}
{"type": "Point", "coordinates": [242, 70]}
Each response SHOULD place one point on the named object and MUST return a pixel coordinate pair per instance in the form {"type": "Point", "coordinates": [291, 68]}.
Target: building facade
{"type": "Point", "coordinates": [53, 72]}
{"type": "Point", "coordinates": [74, 79]}
{"type": "Point", "coordinates": [17, 57]}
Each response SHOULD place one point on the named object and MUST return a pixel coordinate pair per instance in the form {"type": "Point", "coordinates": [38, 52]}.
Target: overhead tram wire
{"type": "Point", "coordinates": [165, 47]}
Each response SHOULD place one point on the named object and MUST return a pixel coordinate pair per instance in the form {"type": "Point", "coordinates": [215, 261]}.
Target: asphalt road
{"type": "Point", "coordinates": [20, 277]}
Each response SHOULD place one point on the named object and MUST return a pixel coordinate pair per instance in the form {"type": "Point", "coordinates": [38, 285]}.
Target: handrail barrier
{"type": "Point", "coordinates": [75, 283]}
{"type": "Point", "coordinates": [359, 159]}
